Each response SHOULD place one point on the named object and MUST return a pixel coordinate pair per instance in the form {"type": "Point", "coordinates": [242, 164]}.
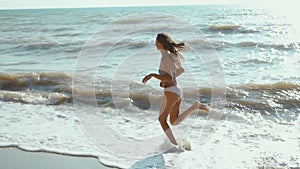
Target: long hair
{"type": "Point", "coordinates": [170, 45]}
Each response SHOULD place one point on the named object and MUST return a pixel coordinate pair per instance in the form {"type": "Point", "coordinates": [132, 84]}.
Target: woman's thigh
{"type": "Point", "coordinates": [171, 101]}
{"type": "Point", "coordinates": [175, 112]}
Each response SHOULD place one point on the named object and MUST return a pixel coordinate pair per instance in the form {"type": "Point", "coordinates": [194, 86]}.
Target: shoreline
{"type": "Point", "coordinates": [13, 156]}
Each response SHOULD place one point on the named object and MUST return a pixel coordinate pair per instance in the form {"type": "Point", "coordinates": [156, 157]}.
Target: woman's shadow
{"type": "Point", "coordinates": [157, 161]}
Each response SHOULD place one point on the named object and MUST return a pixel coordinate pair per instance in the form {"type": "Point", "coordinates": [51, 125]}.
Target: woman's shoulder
{"type": "Point", "coordinates": [167, 56]}
{"type": "Point", "coordinates": [165, 53]}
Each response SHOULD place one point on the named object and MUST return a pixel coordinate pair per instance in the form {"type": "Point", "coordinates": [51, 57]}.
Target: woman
{"type": "Point", "coordinates": [170, 68]}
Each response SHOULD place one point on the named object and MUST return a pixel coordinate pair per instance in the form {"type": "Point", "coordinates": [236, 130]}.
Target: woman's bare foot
{"type": "Point", "coordinates": [198, 105]}
{"type": "Point", "coordinates": [204, 107]}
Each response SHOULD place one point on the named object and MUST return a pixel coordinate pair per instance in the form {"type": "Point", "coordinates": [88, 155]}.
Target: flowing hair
{"type": "Point", "coordinates": [170, 45]}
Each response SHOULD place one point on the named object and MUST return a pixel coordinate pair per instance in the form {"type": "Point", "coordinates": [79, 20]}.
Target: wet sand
{"type": "Point", "coordinates": [15, 158]}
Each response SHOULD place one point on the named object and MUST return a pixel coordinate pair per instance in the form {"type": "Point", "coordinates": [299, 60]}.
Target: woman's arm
{"type": "Point", "coordinates": [163, 78]}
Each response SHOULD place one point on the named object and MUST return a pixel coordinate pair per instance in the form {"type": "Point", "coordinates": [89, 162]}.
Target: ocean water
{"type": "Point", "coordinates": [69, 78]}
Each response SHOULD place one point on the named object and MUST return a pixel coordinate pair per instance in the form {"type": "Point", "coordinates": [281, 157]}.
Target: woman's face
{"type": "Point", "coordinates": [159, 45]}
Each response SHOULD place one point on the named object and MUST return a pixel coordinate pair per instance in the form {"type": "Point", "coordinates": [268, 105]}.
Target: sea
{"type": "Point", "coordinates": [71, 83]}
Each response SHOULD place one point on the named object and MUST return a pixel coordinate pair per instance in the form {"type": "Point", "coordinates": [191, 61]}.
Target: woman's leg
{"type": "Point", "coordinates": [175, 112]}
{"type": "Point", "coordinates": [169, 102]}
{"type": "Point", "coordinates": [176, 119]}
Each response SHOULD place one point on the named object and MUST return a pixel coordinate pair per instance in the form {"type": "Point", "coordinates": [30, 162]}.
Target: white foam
{"type": "Point", "coordinates": [249, 142]}
{"type": "Point", "coordinates": [242, 145]}
{"type": "Point", "coordinates": [41, 128]}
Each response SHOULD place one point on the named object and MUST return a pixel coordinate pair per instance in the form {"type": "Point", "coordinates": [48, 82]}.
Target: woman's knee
{"type": "Point", "coordinates": [162, 119]}
{"type": "Point", "coordinates": [173, 122]}
{"type": "Point", "coordinates": [174, 114]}
{"type": "Point", "coordinates": [163, 123]}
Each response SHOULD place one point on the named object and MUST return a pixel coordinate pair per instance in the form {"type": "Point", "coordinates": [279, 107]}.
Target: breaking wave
{"type": "Point", "coordinates": [56, 89]}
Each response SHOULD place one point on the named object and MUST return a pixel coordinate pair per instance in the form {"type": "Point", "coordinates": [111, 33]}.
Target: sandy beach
{"type": "Point", "coordinates": [15, 158]}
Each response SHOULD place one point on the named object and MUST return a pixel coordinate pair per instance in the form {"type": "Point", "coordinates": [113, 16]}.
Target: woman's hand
{"type": "Point", "coordinates": [146, 78]}
{"type": "Point", "coordinates": [162, 84]}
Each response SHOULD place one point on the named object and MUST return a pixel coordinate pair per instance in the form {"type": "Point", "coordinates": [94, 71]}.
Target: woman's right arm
{"type": "Point", "coordinates": [162, 78]}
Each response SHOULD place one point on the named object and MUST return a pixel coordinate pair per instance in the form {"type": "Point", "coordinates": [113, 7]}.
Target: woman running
{"type": "Point", "coordinates": [170, 68]}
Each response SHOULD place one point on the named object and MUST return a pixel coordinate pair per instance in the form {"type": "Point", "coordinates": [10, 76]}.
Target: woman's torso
{"type": "Point", "coordinates": [170, 63]}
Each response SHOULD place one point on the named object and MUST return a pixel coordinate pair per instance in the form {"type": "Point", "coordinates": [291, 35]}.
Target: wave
{"type": "Point", "coordinates": [267, 97]}
{"type": "Point", "coordinates": [224, 27]}
{"type": "Point", "coordinates": [36, 88]}
{"type": "Point", "coordinates": [247, 44]}
{"type": "Point", "coordinates": [279, 46]}
{"type": "Point", "coordinates": [63, 29]}
{"type": "Point", "coordinates": [205, 44]}
{"type": "Point", "coordinates": [38, 45]}
{"type": "Point", "coordinates": [53, 82]}
{"type": "Point", "coordinates": [33, 97]}
{"type": "Point", "coordinates": [67, 35]}
{"type": "Point", "coordinates": [254, 61]}
{"type": "Point", "coordinates": [56, 89]}
{"type": "Point", "coordinates": [130, 21]}
{"type": "Point", "coordinates": [232, 28]}
{"type": "Point", "coordinates": [275, 86]}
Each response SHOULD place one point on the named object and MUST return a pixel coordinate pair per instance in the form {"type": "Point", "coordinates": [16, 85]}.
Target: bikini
{"type": "Point", "coordinates": [174, 89]}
